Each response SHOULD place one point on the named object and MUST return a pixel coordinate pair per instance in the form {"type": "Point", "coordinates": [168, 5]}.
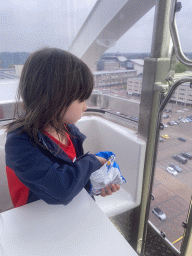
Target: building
{"type": "Point", "coordinates": [138, 65]}
{"type": "Point", "coordinates": [109, 63]}
{"type": "Point", "coordinates": [134, 85]}
{"type": "Point", "coordinates": [8, 73]}
{"type": "Point", "coordinates": [18, 70]}
{"type": "Point", "coordinates": [112, 78]}
{"type": "Point", "coordinates": [183, 95]}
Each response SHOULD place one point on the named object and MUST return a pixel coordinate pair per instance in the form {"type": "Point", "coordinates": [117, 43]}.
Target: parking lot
{"type": "Point", "coordinates": [173, 193]}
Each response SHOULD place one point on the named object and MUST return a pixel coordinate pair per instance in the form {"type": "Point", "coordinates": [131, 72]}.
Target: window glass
{"type": "Point", "coordinates": [184, 23]}
{"type": "Point", "coordinates": [172, 186]}
{"type": "Point", "coordinates": [29, 25]}
{"type": "Point", "coordinates": [172, 193]}
{"type": "Point", "coordinates": [118, 73]}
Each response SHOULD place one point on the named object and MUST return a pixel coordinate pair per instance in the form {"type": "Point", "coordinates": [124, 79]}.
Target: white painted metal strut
{"type": "Point", "coordinates": [106, 23]}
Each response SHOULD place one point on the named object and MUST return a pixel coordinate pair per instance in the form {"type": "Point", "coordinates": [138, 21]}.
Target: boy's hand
{"type": "Point", "coordinates": [109, 190]}
{"type": "Point", "coordinates": [102, 160]}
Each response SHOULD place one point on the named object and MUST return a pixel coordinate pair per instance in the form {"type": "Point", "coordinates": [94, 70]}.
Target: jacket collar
{"type": "Point", "coordinates": [77, 139]}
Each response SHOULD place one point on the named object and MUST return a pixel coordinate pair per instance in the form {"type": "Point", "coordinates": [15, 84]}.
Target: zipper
{"type": "Point", "coordinates": [81, 156]}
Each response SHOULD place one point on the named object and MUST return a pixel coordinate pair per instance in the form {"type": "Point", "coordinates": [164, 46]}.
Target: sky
{"type": "Point", "coordinates": [27, 25]}
{"type": "Point", "coordinates": [138, 38]}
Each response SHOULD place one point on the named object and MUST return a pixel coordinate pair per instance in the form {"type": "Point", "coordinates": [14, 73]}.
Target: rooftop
{"type": "Point", "coordinates": [114, 71]}
{"type": "Point", "coordinates": [138, 61]}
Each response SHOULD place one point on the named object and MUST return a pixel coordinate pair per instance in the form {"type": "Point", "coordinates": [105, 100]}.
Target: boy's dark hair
{"type": "Point", "coordinates": [50, 81]}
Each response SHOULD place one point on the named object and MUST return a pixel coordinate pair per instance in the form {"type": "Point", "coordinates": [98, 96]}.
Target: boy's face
{"type": "Point", "coordinates": [74, 112]}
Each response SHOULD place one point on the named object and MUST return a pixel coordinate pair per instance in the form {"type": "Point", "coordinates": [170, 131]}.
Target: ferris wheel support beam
{"type": "Point", "coordinates": [105, 24]}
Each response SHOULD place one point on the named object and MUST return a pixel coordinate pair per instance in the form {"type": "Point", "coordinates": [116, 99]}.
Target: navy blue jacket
{"type": "Point", "coordinates": [37, 173]}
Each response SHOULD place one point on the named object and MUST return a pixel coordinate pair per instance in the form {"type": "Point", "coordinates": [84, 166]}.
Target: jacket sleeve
{"type": "Point", "coordinates": [52, 181]}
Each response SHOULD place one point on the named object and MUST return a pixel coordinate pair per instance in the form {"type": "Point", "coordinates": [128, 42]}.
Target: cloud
{"type": "Point", "coordinates": [28, 25]}
{"type": "Point", "coordinates": [26, 31]}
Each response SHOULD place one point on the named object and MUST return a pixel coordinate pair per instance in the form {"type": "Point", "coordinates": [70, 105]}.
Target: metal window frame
{"type": "Point", "coordinates": [153, 91]}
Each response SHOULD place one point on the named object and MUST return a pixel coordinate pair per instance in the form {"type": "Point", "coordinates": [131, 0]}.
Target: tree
{"type": "Point", "coordinates": [180, 68]}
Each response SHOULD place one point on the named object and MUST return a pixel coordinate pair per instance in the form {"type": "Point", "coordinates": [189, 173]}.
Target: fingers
{"type": "Point", "coordinates": [106, 191]}
{"type": "Point", "coordinates": [103, 192]}
{"type": "Point", "coordinates": [102, 160]}
{"type": "Point", "coordinates": [115, 187]}
{"type": "Point", "coordinates": [109, 190]}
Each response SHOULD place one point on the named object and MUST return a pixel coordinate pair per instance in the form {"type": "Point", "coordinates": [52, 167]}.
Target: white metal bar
{"type": "Point", "coordinates": [106, 23]}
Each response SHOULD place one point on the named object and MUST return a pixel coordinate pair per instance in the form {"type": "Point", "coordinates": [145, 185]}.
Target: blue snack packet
{"type": "Point", "coordinates": [108, 174]}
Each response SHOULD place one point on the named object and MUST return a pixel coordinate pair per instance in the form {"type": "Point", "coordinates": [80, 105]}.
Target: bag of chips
{"type": "Point", "coordinates": [108, 174]}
